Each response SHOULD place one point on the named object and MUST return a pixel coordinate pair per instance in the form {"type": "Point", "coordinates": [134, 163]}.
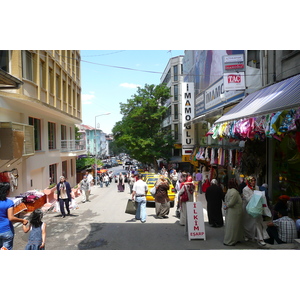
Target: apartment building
{"type": "Point", "coordinates": [173, 77]}
{"type": "Point", "coordinates": [38, 116]}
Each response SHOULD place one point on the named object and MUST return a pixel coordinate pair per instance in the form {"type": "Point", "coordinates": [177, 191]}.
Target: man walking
{"type": "Point", "coordinates": [85, 189]}
{"type": "Point", "coordinates": [199, 178]}
{"type": "Point", "coordinates": [139, 191]}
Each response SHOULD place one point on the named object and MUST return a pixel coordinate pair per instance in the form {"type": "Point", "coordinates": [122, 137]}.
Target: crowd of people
{"type": "Point", "coordinates": [240, 224]}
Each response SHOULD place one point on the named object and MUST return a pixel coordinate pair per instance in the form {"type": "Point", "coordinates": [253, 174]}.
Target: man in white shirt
{"type": "Point", "coordinates": [139, 191]}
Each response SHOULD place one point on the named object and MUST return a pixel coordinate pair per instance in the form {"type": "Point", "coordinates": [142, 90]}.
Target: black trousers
{"type": "Point", "coordinates": [62, 203]}
{"type": "Point", "coordinates": [273, 234]}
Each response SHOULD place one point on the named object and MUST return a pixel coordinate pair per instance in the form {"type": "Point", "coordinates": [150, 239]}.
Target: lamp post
{"type": "Point", "coordinates": [95, 148]}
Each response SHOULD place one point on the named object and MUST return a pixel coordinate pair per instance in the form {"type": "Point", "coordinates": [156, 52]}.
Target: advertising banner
{"type": "Point", "coordinates": [195, 220]}
{"type": "Point", "coordinates": [234, 81]}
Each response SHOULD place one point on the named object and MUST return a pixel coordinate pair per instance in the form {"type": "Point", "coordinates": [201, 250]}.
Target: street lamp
{"type": "Point", "coordinates": [96, 147]}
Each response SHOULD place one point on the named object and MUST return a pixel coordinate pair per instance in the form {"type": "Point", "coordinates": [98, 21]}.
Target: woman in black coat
{"type": "Point", "coordinates": [214, 197]}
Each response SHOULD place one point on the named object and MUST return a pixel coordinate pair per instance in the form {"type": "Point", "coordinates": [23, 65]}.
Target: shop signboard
{"type": "Point", "coordinates": [195, 220]}
{"type": "Point", "coordinates": [234, 81]}
{"type": "Point", "coordinates": [188, 114]}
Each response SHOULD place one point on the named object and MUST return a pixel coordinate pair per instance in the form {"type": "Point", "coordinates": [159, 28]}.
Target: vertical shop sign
{"type": "Point", "coordinates": [195, 220]}
{"type": "Point", "coordinates": [188, 113]}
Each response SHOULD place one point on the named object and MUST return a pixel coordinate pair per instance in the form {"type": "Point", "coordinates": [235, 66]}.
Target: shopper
{"type": "Point", "coordinates": [139, 192]}
{"type": "Point", "coordinates": [162, 201]}
{"type": "Point", "coordinates": [85, 189]}
{"type": "Point", "coordinates": [233, 207]}
{"type": "Point", "coordinates": [37, 228]}
{"type": "Point", "coordinates": [253, 227]}
{"type": "Point", "coordinates": [64, 195]}
{"type": "Point", "coordinates": [188, 188]}
{"type": "Point", "coordinates": [7, 217]}
{"type": "Point", "coordinates": [214, 197]}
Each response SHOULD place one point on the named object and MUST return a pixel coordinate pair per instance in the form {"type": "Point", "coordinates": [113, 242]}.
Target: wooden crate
{"type": "Point", "coordinates": [20, 207]}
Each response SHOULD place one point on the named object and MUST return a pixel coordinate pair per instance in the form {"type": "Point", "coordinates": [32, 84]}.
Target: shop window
{"type": "Point", "coordinates": [36, 123]}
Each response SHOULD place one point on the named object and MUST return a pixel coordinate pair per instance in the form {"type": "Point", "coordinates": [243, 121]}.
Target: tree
{"type": "Point", "coordinates": [140, 129]}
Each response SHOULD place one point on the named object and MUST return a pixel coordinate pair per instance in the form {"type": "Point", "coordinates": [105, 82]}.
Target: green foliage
{"type": "Point", "coordinates": [86, 162]}
{"type": "Point", "coordinates": [140, 130]}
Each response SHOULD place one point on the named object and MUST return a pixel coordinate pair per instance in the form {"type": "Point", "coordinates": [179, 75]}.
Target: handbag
{"type": "Point", "coordinates": [153, 191]}
{"type": "Point", "coordinates": [184, 197]}
{"type": "Point", "coordinates": [131, 207]}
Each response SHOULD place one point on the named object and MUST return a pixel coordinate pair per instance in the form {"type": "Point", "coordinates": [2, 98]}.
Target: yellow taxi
{"type": "Point", "coordinates": [150, 181]}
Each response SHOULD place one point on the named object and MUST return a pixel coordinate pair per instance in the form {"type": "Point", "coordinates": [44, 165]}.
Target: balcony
{"type": "Point", "coordinates": [72, 145]}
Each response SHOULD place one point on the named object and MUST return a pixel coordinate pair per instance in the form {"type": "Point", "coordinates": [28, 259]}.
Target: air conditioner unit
{"type": "Point", "coordinates": [16, 140]}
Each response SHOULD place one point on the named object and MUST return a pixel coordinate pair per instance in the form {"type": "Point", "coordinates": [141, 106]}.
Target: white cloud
{"type": "Point", "coordinates": [86, 98]}
{"type": "Point", "coordinates": [129, 85]}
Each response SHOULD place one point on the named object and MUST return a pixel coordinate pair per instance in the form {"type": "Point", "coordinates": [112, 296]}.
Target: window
{"type": "Point", "coordinates": [58, 87]}
{"type": "Point", "coordinates": [4, 60]}
{"type": "Point", "coordinates": [53, 173]}
{"type": "Point", "coordinates": [167, 78]}
{"type": "Point", "coordinates": [65, 169]}
{"type": "Point", "coordinates": [36, 123]}
{"type": "Point", "coordinates": [42, 75]}
{"type": "Point", "coordinates": [175, 111]}
{"type": "Point", "coordinates": [176, 132]}
{"type": "Point", "coordinates": [27, 64]}
{"type": "Point", "coordinates": [51, 81]}
{"type": "Point", "coordinates": [51, 135]}
{"type": "Point", "coordinates": [175, 71]}
{"type": "Point", "coordinates": [253, 59]}
{"type": "Point", "coordinates": [175, 92]}
{"type": "Point", "coordinates": [63, 134]}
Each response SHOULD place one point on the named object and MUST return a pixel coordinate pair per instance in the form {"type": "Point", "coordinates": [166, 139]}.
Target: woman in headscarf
{"type": "Point", "coordinates": [214, 197]}
{"type": "Point", "coordinates": [121, 183]}
{"type": "Point", "coordinates": [64, 195]}
{"type": "Point", "coordinates": [234, 215]}
{"type": "Point", "coordinates": [188, 188]}
{"type": "Point", "coordinates": [253, 227]}
{"type": "Point", "coordinates": [162, 201]}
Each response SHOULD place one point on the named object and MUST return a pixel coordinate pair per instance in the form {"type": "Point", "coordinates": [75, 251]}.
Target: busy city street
{"type": "Point", "coordinates": [102, 224]}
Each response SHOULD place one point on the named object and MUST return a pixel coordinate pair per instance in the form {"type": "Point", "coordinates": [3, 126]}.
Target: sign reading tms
{"type": "Point", "coordinates": [188, 114]}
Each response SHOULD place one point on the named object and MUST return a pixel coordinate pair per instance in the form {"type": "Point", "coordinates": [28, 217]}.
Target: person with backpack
{"type": "Point", "coordinates": [185, 194]}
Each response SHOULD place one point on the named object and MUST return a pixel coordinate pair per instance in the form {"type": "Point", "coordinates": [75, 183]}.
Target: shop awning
{"type": "Point", "coordinates": [8, 81]}
{"type": "Point", "coordinates": [279, 96]}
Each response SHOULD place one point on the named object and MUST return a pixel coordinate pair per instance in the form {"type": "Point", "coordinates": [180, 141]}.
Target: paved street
{"type": "Point", "coordinates": [103, 225]}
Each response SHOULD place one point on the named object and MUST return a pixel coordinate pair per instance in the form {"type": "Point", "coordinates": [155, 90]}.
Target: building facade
{"type": "Point", "coordinates": [40, 116]}
{"type": "Point", "coordinates": [173, 78]}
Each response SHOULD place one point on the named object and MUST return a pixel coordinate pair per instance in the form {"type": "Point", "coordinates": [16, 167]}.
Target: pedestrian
{"type": "Point", "coordinates": [110, 175]}
{"type": "Point", "coordinates": [187, 188]}
{"type": "Point", "coordinates": [162, 201]}
{"type": "Point", "coordinates": [37, 228]}
{"type": "Point", "coordinates": [233, 207]}
{"type": "Point", "coordinates": [89, 178]}
{"type": "Point", "coordinates": [64, 195]}
{"type": "Point", "coordinates": [7, 217]}
{"type": "Point", "coordinates": [139, 192]}
{"type": "Point", "coordinates": [106, 179]}
{"type": "Point", "coordinates": [282, 230]}
{"type": "Point", "coordinates": [253, 227]}
{"type": "Point", "coordinates": [85, 189]}
{"type": "Point", "coordinates": [214, 197]}
{"type": "Point", "coordinates": [199, 178]}
{"type": "Point", "coordinates": [174, 177]}
{"type": "Point", "coordinates": [121, 183]}
{"type": "Point", "coordinates": [101, 180]}
{"type": "Point", "coordinates": [131, 181]}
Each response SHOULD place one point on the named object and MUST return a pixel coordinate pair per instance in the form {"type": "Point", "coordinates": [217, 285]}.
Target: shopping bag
{"type": "Point", "coordinates": [153, 191]}
{"type": "Point", "coordinates": [266, 210]}
{"type": "Point", "coordinates": [254, 207]}
{"type": "Point", "coordinates": [131, 207]}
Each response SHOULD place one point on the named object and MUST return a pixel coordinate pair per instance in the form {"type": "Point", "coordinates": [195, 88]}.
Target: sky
{"type": "Point", "coordinates": [109, 77]}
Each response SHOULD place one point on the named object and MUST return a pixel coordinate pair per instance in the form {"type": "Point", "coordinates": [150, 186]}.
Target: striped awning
{"type": "Point", "coordinates": [279, 96]}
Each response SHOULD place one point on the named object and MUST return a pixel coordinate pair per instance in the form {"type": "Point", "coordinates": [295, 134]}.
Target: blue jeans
{"type": "Point", "coordinates": [6, 239]}
{"type": "Point", "coordinates": [141, 209]}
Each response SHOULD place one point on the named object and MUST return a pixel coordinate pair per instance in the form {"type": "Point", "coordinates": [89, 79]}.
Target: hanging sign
{"type": "Point", "coordinates": [234, 81]}
{"type": "Point", "coordinates": [195, 220]}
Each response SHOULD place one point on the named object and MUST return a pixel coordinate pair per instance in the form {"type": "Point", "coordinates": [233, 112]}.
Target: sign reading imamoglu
{"type": "Point", "coordinates": [187, 115]}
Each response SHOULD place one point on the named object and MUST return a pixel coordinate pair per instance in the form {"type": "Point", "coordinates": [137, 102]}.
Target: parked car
{"type": "Point", "coordinates": [107, 166]}
{"type": "Point", "coordinates": [150, 181]}
{"type": "Point", "coordinates": [117, 175]}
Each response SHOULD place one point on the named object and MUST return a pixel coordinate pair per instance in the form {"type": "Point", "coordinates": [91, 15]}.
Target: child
{"type": "Point", "coordinates": [37, 235]}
